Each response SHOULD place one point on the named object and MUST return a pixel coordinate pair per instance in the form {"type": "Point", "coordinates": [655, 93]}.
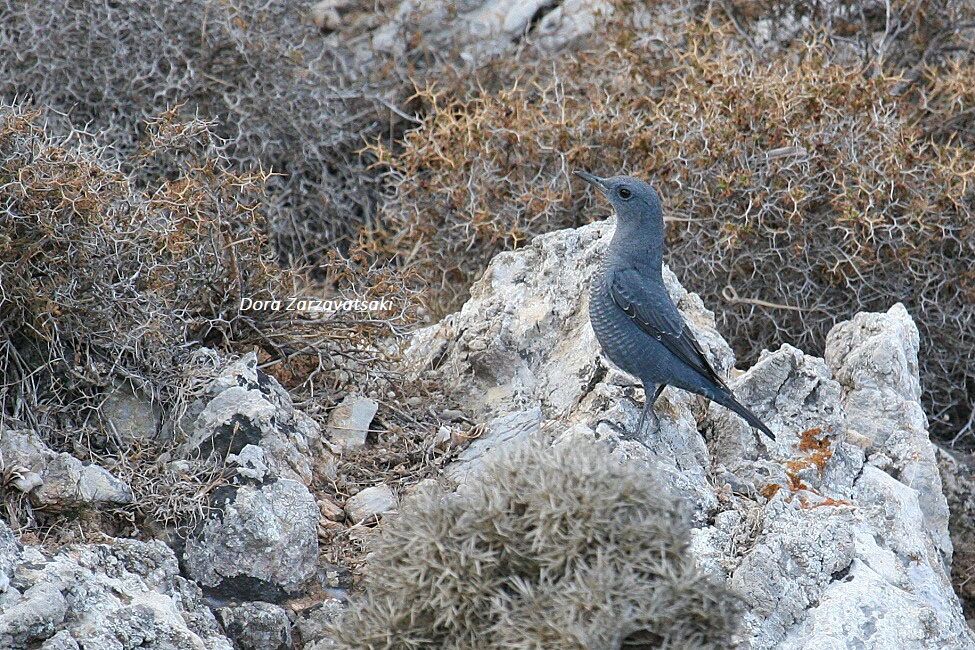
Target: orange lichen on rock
{"type": "Point", "coordinates": [795, 483]}
{"type": "Point", "coordinates": [809, 442]}
{"type": "Point", "coordinates": [819, 455]}
{"type": "Point", "coordinates": [829, 502]}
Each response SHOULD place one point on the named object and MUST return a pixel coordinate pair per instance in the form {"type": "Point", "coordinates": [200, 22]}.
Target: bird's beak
{"type": "Point", "coordinates": [595, 181]}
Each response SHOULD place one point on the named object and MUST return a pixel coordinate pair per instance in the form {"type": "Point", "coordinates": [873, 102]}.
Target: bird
{"type": "Point", "coordinates": [636, 323]}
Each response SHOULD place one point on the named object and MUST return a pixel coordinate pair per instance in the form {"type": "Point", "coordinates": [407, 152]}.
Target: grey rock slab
{"type": "Point", "coordinates": [370, 502]}
{"type": "Point", "coordinates": [260, 543]}
{"type": "Point", "coordinates": [348, 423]}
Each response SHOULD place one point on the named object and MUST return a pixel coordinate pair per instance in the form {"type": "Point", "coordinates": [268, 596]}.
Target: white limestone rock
{"type": "Point", "coordinates": [126, 594]}
{"type": "Point", "coordinates": [835, 534]}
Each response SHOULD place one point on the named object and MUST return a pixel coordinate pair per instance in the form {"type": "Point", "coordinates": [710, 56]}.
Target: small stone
{"type": "Point", "coordinates": [131, 417]}
{"type": "Point", "coordinates": [858, 439]}
{"type": "Point", "coordinates": [326, 14]}
{"type": "Point", "coordinates": [348, 423]}
{"type": "Point", "coordinates": [443, 438]}
{"type": "Point", "coordinates": [330, 510]}
{"type": "Point", "coordinates": [334, 577]}
{"type": "Point", "coordinates": [60, 641]}
{"type": "Point", "coordinates": [257, 626]}
{"type": "Point", "coordinates": [452, 415]}
{"type": "Point", "coordinates": [178, 467]}
{"type": "Point", "coordinates": [427, 484]}
{"type": "Point", "coordinates": [97, 486]}
{"type": "Point", "coordinates": [327, 528]}
{"type": "Point", "coordinates": [251, 462]}
{"type": "Point", "coordinates": [312, 623]}
{"type": "Point", "coordinates": [27, 480]}
{"type": "Point", "coordinates": [365, 536]}
{"type": "Point", "coordinates": [328, 465]}
{"type": "Point", "coordinates": [370, 502]}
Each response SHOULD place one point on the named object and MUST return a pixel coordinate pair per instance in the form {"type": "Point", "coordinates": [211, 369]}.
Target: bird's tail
{"type": "Point", "coordinates": [727, 400]}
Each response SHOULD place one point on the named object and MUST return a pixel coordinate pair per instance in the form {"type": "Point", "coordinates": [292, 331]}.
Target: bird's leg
{"type": "Point", "coordinates": [643, 416]}
{"type": "Point", "coordinates": [647, 405]}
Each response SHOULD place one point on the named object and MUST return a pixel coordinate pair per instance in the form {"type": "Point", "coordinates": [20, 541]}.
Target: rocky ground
{"type": "Point", "coordinates": [850, 530]}
{"type": "Point", "coordinates": [836, 534]}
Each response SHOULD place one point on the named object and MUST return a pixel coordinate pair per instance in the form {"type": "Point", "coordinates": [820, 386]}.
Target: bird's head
{"type": "Point", "coordinates": [633, 199]}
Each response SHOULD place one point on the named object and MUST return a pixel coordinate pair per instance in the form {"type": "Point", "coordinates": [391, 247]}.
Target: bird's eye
{"type": "Point", "coordinates": [624, 193]}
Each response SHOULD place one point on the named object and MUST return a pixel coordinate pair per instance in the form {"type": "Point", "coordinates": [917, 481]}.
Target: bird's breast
{"type": "Point", "coordinates": [620, 338]}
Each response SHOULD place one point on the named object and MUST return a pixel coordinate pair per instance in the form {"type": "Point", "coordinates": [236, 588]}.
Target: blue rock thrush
{"type": "Point", "coordinates": [635, 321]}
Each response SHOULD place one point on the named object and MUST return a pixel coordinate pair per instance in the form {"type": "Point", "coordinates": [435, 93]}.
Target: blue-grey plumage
{"type": "Point", "coordinates": [635, 321]}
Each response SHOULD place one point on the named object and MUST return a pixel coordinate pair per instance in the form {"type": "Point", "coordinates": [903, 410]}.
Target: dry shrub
{"type": "Point", "coordinates": [108, 281]}
{"type": "Point", "coordinates": [799, 190]}
{"type": "Point", "coordinates": [551, 548]}
{"type": "Point", "coordinates": [101, 280]}
{"type": "Point", "coordinates": [929, 43]}
{"type": "Point", "coordinates": [944, 108]}
{"type": "Point", "coordinates": [284, 97]}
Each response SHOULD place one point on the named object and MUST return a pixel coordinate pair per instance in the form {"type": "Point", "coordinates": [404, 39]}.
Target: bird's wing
{"type": "Point", "coordinates": [655, 314]}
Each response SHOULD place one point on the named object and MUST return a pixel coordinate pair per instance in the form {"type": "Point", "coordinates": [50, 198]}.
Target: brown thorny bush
{"type": "Point", "coordinates": [558, 547]}
{"type": "Point", "coordinates": [798, 190]}
{"type": "Point", "coordinates": [489, 169]}
{"type": "Point", "coordinates": [284, 97]}
{"type": "Point", "coordinates": [103, 283]}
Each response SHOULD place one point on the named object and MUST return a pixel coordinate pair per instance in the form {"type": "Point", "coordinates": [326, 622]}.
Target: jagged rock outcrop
{"type": "Point", "coordinates": [126, 594]}
{"type": "Point", "coordinates": [260, 539]}
{"type": "Point", "coordinates": [245, 406]}
{"type": "Point", "coordinates": [835, 535]}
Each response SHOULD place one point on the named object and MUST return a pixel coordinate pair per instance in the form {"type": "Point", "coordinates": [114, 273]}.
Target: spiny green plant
{"type": "Point", "coordinates": [558, 547]}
